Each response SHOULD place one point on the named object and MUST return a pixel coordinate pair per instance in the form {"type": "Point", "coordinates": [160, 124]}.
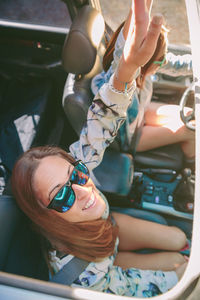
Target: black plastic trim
{"type": "Point", "coordinates": [33, 32]}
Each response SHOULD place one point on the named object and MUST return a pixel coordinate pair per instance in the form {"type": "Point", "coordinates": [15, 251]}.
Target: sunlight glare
{"type": "Point", "coordinates": [166, 118]}
{"type": "Point", "coordinates": [97, 30]}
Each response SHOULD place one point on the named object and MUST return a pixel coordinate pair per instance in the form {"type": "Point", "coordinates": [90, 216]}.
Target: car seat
{"type": "Point", "coordinates": [20, 251]}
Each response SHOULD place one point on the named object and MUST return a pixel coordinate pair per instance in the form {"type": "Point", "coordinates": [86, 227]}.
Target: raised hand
{"type": "Point", "coordinates": [140, 43]}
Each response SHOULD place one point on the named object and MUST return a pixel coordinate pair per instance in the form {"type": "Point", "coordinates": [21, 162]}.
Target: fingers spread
{"type": "Point", "coordinates": [153, 33]}
{"type": "Point", "coordinates": [149, 4]}
{"type": "Point", "coordinates": [140, 12]}
{"type": "Point", "coordinates": [141, 21]}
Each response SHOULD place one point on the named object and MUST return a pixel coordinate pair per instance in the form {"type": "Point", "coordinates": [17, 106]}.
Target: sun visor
{"type": "Point", "coordinates": [81, 44]}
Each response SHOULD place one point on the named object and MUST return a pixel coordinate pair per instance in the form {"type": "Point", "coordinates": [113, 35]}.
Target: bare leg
{"type": "Point", "coordinates": [137, 234]}
{"type": "Point", "coordinates": [163, 126]}
{"type": "Point", "coordinates": [165, 261]}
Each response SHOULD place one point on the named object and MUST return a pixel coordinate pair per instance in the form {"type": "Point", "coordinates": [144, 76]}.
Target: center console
{"type": "Point", "coordinates": [163, 191]}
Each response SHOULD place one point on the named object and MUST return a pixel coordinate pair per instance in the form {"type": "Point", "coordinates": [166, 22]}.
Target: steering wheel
{"type": "Point", "coordinates": [187, 119]}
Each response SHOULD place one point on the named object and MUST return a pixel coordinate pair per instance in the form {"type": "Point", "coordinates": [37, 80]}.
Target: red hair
{"type": "Point", "coordinates": [92, 240]}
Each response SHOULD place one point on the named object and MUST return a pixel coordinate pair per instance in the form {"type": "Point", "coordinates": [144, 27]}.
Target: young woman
{"type": "Point", "coordinates": [162, 123]}
{"type": "Point", "coordinates": [55, 191]}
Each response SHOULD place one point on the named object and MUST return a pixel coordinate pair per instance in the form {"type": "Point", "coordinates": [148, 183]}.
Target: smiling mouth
{"type": "Point", "coordinates": [90, 202]}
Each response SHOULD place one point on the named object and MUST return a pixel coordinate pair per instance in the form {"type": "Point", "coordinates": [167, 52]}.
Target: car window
{"type": "Point", "coordinates": [45, 12]}
{"type": "Point", "coordinates": [115, 12]}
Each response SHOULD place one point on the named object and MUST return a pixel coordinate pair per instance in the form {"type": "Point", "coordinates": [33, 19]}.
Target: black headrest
{"type": "Point", "coordinates": [81, 44]}
{"type": "Point", "coordinates": [79, 3]}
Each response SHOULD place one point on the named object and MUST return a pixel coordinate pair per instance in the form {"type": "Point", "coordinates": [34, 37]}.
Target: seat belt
{"type": "Point", "coordinates": [70, 272]}
{"type": "Point", "coordinates": [136, 137]}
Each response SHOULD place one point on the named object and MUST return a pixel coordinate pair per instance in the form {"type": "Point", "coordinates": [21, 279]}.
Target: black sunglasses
{"type": "Point", "coordinates": [65, 197]}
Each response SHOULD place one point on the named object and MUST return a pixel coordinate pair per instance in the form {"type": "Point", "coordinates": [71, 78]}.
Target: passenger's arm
{"type": "Point", "coordinates": [108, 109]}
{"type": "Point", "coordinates": [104, 118]}
{"type": "Point", "coordinates": [130, 16]}
{"type": "Point", "coordinates": [103, 77]}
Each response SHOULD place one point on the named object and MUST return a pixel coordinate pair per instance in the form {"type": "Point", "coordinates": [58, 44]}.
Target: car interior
{"type": "Point", "coordinates": [45, 77]}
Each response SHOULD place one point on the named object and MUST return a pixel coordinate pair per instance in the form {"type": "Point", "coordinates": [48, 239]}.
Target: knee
{"type": "Point", "coordinates": [177, 259]}
{"type": "Point", "coordinates": [180, 239]}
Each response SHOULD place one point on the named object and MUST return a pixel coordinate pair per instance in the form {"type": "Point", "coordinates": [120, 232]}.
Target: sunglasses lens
{"type": "Point", "coordinates": [64, 200]}
{"type": "Point", "coordinates": [80, 174]}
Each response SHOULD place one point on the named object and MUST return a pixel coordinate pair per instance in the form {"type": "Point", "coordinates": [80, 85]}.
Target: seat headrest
{"type": "Point", "coordinates": [81, 44]}
{"type": "Point", "coordinates": [79, 3]}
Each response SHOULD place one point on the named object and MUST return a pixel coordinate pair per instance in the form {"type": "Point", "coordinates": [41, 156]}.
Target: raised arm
{"type": "Point", "coordinates": [108, 110]}
{"type": "Point", "coordinates": [140, 43]}
{"type": "Point", "coordinates": [130, 16]}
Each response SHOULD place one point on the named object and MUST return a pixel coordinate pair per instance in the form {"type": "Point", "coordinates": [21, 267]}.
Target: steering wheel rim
{"type": "Point", "coordinates": [186, 119]}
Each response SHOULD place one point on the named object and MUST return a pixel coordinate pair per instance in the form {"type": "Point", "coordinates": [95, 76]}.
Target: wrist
{"type": "Point", "coordinates": [123, 82]}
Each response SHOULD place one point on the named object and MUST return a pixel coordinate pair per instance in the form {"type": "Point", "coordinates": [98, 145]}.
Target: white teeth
{"type": "Point", "coordinates": [90, 202]}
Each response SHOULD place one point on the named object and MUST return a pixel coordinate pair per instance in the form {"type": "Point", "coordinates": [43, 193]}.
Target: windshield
{"type": "Point", "coordinates": [175, 14]}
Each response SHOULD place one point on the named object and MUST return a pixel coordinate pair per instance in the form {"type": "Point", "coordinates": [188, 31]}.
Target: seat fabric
{"type": "Point", "coordinates": [20, 251]}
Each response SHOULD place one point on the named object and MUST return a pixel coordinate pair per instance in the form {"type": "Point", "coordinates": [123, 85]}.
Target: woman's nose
{"type": "Point", "coordinates": [81, 191]}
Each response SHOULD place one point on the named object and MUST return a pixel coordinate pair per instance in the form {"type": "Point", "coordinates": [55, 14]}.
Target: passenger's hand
{"type": "Point", "coordinates": [140, 43]}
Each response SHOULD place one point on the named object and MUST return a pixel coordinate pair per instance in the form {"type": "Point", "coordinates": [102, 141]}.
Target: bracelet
{"type": "Point", "coordinates": [126, 83]}
{"type": "Point", "coordinates": [123, 82]}
{"type": "Point", "coordinates": [126, 91]}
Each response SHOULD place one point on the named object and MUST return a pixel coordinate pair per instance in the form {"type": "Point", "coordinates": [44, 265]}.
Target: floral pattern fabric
{"type": "Point", "coordinates": [105, 116]}
{"type": "Point", "coordinates": [105, 277]}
